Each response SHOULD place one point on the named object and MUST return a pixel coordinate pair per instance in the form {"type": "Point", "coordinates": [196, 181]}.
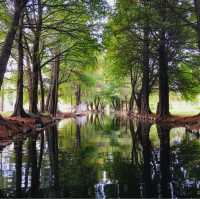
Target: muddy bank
{"type": "Point", "coordinates": [10, 127]}
{"type": "Point", "coordinates": [190, 122]}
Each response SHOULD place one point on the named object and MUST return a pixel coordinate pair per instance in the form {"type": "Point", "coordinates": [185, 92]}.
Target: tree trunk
{"type": "Point", "coordinates": [145, 109]}
{"type": "Point", "coordinates": [18, 109]}
{"type": "Point", "coordinates": [6, 50]}
{"type": "Point", "coordinates": [36, 59]}
{"type": "Point", "coordinates": [163, 68]}
{"type": "Point", "coordinates": [41, 92]}
{"type": "Point", "coordinates": [138, 101]}
{"type": "Point", "coordinates": [2, 99]}
{"type": "Point", "coordinates": [163, 79]}
{"type": "Point", "coordinates": [48, 96]}
{"type": "Point", "coordinates": [78, 95]}
{"type": "Point", "coordinates": [53, 99]}
{"type": "Point", "coordinates": [131, 101]}
{"type": "Point", "coordinates": [30, 81]}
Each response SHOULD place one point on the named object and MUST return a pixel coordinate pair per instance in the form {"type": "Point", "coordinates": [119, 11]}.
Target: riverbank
{"type": "Point", "coordinates": [13, 126]}
{"type": "Point", "coordinates": [190, 122]}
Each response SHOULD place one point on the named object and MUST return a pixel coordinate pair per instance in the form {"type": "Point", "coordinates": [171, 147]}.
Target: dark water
{"type": "Point", "coordinates": [102, 157]}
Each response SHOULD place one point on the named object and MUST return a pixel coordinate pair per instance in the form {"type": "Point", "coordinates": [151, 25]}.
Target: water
{"type": "Point", "coordinates": [102, 157]}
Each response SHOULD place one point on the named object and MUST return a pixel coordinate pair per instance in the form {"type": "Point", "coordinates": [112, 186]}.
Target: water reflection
{"type": "Point", "coordinates": [102, 157]}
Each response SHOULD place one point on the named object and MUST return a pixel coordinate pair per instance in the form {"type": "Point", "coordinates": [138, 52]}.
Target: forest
{"type": "Point", "coordinates": [100, 98]}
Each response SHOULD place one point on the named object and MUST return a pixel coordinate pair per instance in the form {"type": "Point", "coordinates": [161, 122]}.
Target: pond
{"type": "Point", "coordinates": [98, 156]}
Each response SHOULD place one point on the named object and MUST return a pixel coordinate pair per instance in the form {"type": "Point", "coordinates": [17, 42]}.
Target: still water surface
{"type": "Point", "coordinates": [102, 157]}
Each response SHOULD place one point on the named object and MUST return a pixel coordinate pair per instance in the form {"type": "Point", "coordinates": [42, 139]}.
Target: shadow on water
{"type": "Point", "coordinates": [103, 157]}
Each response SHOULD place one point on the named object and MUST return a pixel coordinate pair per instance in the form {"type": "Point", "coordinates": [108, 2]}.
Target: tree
{"type": "Point", "coordinates": [6, 50]}
{"type": "Point", "coordinates": [18, 109]}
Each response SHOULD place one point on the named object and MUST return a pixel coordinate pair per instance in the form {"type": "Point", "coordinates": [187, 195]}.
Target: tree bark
{"type": "Point", "coordinates": [145, 109]}
{"type": "Point", "coordinates": [6, 50]}
{"type": "Point", "coordinates": [78, 95]}
{"type": "Point", "coordinates": [42, 104]}
{"type": "Point", "coordinates": [163, 68]}
{"type": "Point", "coordinates": [131, 101]}
{"type": "Point", "coordinates": [163, 79]}
{"type": "Point", "coordinates": [53, 99]}
{"type": "Point", "coordinates": [18, 109]}
{"type": "Point", "coordinates": [36, 59]}
{"type": "Point", "coordinates": [30, 82]}
{"type": "Point", "coordinates": [2, 99]}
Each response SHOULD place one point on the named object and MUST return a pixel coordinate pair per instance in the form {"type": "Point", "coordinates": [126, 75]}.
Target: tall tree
{"type": "Point", "coordinates": [18, 109]}
{"type": "Point", "coordinates": [6, 50]}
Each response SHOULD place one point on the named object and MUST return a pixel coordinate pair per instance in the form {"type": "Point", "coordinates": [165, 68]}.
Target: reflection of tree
{"type": "Point", "coordinates": [78, 136]}
{"type": "Point", "coordinates": [34, 163]}
{"type": "Point", "coordinates": [116, 122]}
{"type": "Point", "coordinates": [78, 168]}
{"type": "Point", "coordinates": [148, 190]}
{"type": "Point", "coordinates": [135, 141]}
{"type": "Point", "coordinates": [163, 132]}
{"type": "Point", "coordinates": [186, 169]}
{"type": "Point", "coordinates": [34, 168]}
{"type": "Point", "coordinates": [52, 139]}
{"type": "Point", "coordinates": [127, 175]}
{"type": "Point", "coordinates": [18, 167]}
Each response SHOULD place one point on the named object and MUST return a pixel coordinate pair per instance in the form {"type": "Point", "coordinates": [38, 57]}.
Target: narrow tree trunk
{"type": "Point", "coordinates": [78, 95]}
{"type": "Point", "coordinates": [36, 59]}
{"type": "Point", "coordinates": [53, 99]}
{"type": "Point", "coordinates": [163, 79]}
{"type": "Point", "coordinates": [145, 109]}
{"type": "Point", "coordinates": [2, 99]}
{"type": "Point", "coordinates": [48, 96]}
{"type": "Point", "coordinates": [138, 101]}
{"type": "Point", "coordinates": [6, 50]}
{"type": "Point", "coordinates": [131, 101]}
{"type": "Point", "coordinates": [18, 109]}
{"type": "Point", "coordinates": [30, 82]}
{"type": "Point", "coordinates": [41, 92]}
{"type": "Point", "coordinates": [163, 68]}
